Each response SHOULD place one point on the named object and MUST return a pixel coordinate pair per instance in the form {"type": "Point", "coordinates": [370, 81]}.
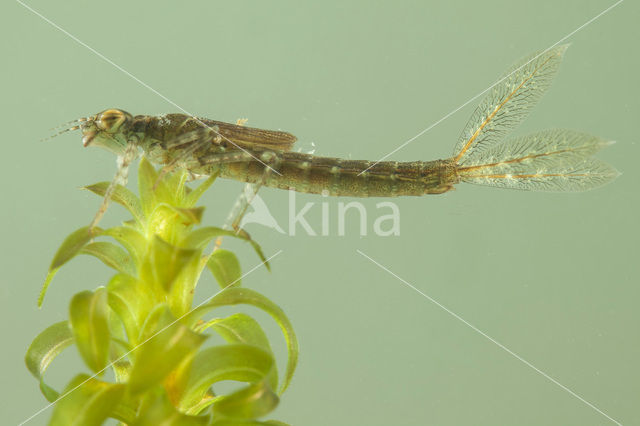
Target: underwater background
{"type": "Point", "coordinates": [551, 278]}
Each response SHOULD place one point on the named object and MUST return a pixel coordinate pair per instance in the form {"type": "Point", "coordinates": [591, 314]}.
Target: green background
{"type": "Point", "coordinates": [552, 277]}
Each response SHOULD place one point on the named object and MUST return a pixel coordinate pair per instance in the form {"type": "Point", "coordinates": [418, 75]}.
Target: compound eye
{"type": "Point", "coordinates": [110, 120]}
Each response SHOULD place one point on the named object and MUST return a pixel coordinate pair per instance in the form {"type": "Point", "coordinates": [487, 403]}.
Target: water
{"type": "Point", "coordinates": [552, 277]}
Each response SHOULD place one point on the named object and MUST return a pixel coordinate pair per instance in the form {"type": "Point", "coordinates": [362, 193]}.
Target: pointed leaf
{"type": "Point", "coordinates": [225, 267]}
{"type": "Point", "coordinates": [127, 409]}
{"type": "Point", "coordinates": [131, 302]}
{"type": "Point", "coordinates": [167, 213]}
{"type": "Point", "coordinates": [176, 186]}
{"type": "Point", "coordinates": [195, 194]}
{"type": "Point", "coordinates": [241, 328]}
{"type": "Point", "coordinates": [165, 343]}
{"type": "Point", "coordinates": [72, 245]}
{"type": "Point", "coordinates": [238, 362]}
{"type": "Point", "coordinates": [44, 348]}
{"type": "Point", "coordinates": [131, 239]}
{"type": "Point", "coordinates": [258, 250]}
{"type": "Point", "coordinates": [190, 216]}
{"type": "Point", "coordinates": [256, 400]}
{"type": "Point", "coordinates": [181, 295]}
{"type": "Point", "coordinates": [147, 177]}
{"type": "Point", "coordinates": [238, 328]}
{"type": "Point", "coordinates": [89, 318]}
{"type": "Point", "coordinates": [69, 248]}
{"type": "Point", "coordinates": [238, 295]}
{"type": "Point", "coordinates": [203, 236]}
{"type": "Point", "coordinates": [156, 188]}
{"type": "Point", "coordinates": [161, 412]}
{"type": "Point", "coordinates": [86, 402]}
{"type": "Point", "coordinates": [122, 196]}
{"type": "Point", "coordinates": [168, 261]}
{"type": "Point", "coordinates": [111, 255]}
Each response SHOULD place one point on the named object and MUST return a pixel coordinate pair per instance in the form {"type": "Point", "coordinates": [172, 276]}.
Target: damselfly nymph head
{"type": "Point", "coordinates": [108, 129]}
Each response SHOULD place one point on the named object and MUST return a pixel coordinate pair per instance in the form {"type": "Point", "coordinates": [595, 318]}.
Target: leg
{"type": "Point", "coordinates": [244, 200]}
{"type": "Point", "coordinates": [120, 178]}
{"type": "Point", "coordinates": [238, 210]}
{"type": "Point", "coordinates": [251, 190]}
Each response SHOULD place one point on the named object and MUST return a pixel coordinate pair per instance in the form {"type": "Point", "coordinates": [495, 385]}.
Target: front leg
{"type": "Point", "coordinates": [120, 178]}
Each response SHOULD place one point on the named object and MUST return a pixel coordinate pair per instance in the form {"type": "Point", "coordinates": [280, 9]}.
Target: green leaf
{"type": "Point", "coordinates": [193, 196]}
{"type": "Point", "coordinates": [165, 343]}
{"type": "Point", "coordinates": [168, 261]}
{"type": "Point", "coordinates": [44, 348]}
{"type": "Point", "coordinates": [239, 295]}
{"type": "Point", "coordinates": [258, 250]}
{"type": "Point", "coordinates": [256, 400]}
{"type": "Point", "coordinates": [127, 409]}
{"type": "Point", "coordinates": [238, 362]}
{"type": "Point", "coordinates": [176, 184]}
{"type": "Point", "coordinates": [111, 255]}
{"type": "Point", "coordinates": [203, 236]}
{"type": "Point", "coordinates": [181, 294]}
{"type": "Point", "coordinates": [86, 402]}
{"type": "Point", "coordinates": [72, 245]}
{"type": "Point", "coordinates": [156, 189]}
{"type": "Point", "coordinates": [69, 248]}
{"type": "Point", "coordinates": [131, 302]}
{"type": "Point", "coordinates": [189, 216]}
{"type": "Point", "coordinates": [238, 328]}
{"type": "Point", "coordinates": [200, 237]}
{"type": "Point", "coordinates": [225, 267]}
{"type": "Point", "coordinates": [122, 196]}
{"type": "Point", "coordinates": [241, 328]}
{"type": "Point", "coordinates": [89, 318]}
{"type": "Point", "coordinates": [147, 177]}
{"type": "Point", "coordinates": [166, 214]}
{"type": "Point", "coordinates": [161, 412]}
{"type": "Point", "coordinates": [131, 239]}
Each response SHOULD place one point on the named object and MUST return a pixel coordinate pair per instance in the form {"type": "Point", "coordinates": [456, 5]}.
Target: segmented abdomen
{"type": "Point", "coordinates": [339, 177]}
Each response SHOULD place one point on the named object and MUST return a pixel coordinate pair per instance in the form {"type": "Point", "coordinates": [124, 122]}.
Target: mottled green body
{"type": "Point", "coordinates": [550, 160]}
{"type": "Point", "coordinates": [339, 177]}
{"type": "Point", "coordinates": [160, 139]}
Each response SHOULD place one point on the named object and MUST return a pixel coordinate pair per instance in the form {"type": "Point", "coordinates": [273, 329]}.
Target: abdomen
{"type": "Point", "coordinates": [353, 178]}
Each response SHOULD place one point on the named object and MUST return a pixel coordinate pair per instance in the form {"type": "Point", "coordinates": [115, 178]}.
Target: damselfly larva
{"type": "Point", "coordinates": [550, 160]}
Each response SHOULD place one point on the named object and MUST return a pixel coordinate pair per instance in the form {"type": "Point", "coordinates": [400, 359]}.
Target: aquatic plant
{"type": "Point", "coordinates": [144, 327]}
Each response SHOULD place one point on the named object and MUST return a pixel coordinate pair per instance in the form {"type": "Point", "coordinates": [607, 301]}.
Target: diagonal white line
{"type": "Point", "coordinates": [103, 57]}
{"type": "Point", "coordinates": [145, 341]}
{"type": "Point", "coordinates": [490, 87]}
{"type": "Point", "coordinates": [491, 339]}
